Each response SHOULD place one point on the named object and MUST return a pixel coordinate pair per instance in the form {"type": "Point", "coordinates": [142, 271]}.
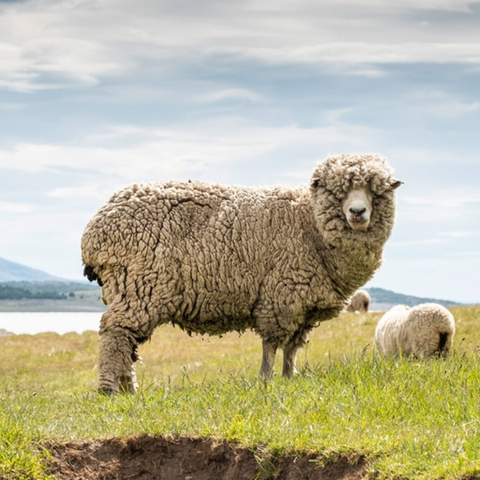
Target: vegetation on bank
{"type": "Point", "coordinates": [40, 290]}
{"type": "Point", "coordinates": [411, 419]}
{"type": "Point", "coordinates": [50, 296]}
{"type": "Point", "coordinates": [8, 292]}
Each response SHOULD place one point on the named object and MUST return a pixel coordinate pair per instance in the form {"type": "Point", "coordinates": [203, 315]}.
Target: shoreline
{"type": "Point", "coordinates": [87, 304]}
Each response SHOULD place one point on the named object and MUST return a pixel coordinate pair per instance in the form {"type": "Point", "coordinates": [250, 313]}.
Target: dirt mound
{"type": "Point", "coordinates": [171, 458]}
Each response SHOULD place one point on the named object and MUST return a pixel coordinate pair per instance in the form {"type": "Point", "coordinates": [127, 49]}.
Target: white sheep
{"type": "Point", "coordinates": [359, 302]}
{"type": "Point", "coordinates": [421, 331]}
{"type": "Point", "coordinates": [213, 259]}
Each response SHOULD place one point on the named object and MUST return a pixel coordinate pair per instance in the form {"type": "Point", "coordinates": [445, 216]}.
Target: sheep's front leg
{"type": "Point", "coordinates": [117, 351]}
{"type": "Point", "coordinates": [268, 359]}
{"type": "Point", "coordinates": [289, 359]}
{"type": "Point", "coordinates": [290, 352]}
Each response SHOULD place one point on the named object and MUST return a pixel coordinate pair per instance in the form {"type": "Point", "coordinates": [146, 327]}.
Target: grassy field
{"type": "Point", "coordinates": [411, 419]}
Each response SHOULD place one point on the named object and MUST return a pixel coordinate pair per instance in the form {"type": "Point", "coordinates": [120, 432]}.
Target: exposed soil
{"type": "Point", "coordinates": [183, 458]}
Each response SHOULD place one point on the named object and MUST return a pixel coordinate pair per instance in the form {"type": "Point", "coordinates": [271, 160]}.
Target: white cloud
{"type": "Point", "coordinates": [456, 234]}
{"type": "Point", "coordinates": [426, 241]}
{"type": "Point", "coordinates": [15, 72]}
{"type": "Point", "coordinates": [448, 199]}
{"type": "Point", "coordinates": [41, 48]}
{"type": "Point", "coordinates": [345, 55]}
{"type": "Point", "coordinates": [90, 191]}
{"type": "Point", "coordinates": [436, 215]}
{"type": "Point", "coordinates": [230, 94]}
{"type": "Point", "coordinates": [189, 151]}
{"type": "Point", "coordinates": [468, 254]}
{"type": "Point", "coordinates": [50, 45]}
{"type": "Point", "coordinates": [440, 103]}
{"type": "Point", "coordinates": [306, 5]}
{"type": "Point", "coordinates": [13, 207]}
{"type": "Point", "coordinates": [50, 63]}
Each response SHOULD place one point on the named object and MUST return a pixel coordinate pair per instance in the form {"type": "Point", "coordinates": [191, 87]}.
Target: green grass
{"type": "Point", "coordinates": [412, 419]}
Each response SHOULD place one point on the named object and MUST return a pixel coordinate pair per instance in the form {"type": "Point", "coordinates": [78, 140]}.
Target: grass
{"type": "Point", "coordinates": [412, 419]}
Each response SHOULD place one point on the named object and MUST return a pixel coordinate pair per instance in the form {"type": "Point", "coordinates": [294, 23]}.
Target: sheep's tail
{"type": "Point", "coordinates": [89, 272]}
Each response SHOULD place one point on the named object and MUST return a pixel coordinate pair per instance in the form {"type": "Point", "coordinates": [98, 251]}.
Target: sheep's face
{"type": "Point", "coordinates": [357, 208]}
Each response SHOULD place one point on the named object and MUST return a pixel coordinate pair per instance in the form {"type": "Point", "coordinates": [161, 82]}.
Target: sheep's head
{"type": "Point", "coordinates": [352, 195]}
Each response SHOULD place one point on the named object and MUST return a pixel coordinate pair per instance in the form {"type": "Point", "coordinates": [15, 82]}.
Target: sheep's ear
{"type": "Point", "coordinates": [314, 183]}
{"type": "Point", "coordinates": [395, 184]}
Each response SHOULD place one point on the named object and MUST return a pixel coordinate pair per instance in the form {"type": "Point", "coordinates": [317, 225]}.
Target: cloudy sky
{"type": "Point", "coordinates": [95, 95]}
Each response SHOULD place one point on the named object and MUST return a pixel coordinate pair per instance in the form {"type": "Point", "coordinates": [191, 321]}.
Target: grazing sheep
{"type": "Point", "coordinates": [421, 331]}
{"type": "Point", "coordinates": [359, 302]}
{"type": "Point", "coordinates": [214, 259]}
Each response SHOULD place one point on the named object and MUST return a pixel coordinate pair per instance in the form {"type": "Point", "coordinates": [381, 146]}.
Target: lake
{"type": "Point", "coordinates": [59, 322]}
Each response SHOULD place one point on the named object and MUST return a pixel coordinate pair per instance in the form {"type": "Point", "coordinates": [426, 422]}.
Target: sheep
{"type": "Point", "coordinates": [359, 302]}
{"type": "Point", "coordinates": [422, 331]}
{"type": "Point", "coordinates": [212, 259]}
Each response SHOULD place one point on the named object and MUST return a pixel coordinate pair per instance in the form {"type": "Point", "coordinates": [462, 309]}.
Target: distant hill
{"type": "Point", "coordinates": [25, 289]}
{"type": "Point", "coordinates": [16, 272]}
{"type": "Point", "coordinates": [384, 299]}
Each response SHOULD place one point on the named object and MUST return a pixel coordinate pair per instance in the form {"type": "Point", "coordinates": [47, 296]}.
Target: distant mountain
{"type": "Point", "coordinates": [384, 299]}
{"type": "Point", "coordinates": [16, 272]}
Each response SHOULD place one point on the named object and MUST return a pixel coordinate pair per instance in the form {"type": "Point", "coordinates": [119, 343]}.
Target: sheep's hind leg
{"type": "Point", "coordinates": [117, 352]}
{"type": "Point", "coordinates": [268, 359]}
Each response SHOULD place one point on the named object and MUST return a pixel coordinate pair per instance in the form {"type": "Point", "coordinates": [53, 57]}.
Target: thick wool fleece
{"type": "Point", "coordinates": [359, 302]}
{"type": "Point", "coordinates": [421, 331]}
{"type": "Point", "coordinates": [213, 259]}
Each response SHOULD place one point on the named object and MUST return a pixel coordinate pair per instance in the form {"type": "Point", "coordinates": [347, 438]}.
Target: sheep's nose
{"type": "Point", "coordinates": [357, 211]}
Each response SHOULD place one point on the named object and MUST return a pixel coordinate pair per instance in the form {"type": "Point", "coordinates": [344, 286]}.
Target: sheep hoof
{"type": "Point", "coordinates": [107, 391]}
{"type": "Point", "coordinates": [127, 384]}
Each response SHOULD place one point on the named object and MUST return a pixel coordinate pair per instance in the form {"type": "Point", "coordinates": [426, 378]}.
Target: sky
{"type": "Point", "coordinates": [96, 95]}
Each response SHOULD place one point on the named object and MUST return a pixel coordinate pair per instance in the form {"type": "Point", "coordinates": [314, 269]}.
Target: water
{"type": "Point", "coordinates": [59, 322]}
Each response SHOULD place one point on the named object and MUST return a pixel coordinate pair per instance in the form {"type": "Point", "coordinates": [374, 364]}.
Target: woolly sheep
{"type": "Point", "coordinates": [421, 331]}
{"type": "Point", "coordinates": [214, 259]}
{"type": "Point", "coordinates": [359, 302]}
